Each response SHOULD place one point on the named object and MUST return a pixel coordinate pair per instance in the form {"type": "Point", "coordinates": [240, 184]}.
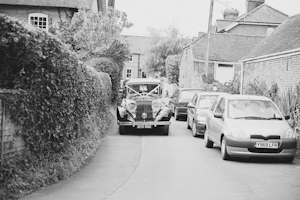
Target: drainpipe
{"type": "Point", "coordinates": [242, 77]}
{"type": "Point", "coordinates": [2, 130]}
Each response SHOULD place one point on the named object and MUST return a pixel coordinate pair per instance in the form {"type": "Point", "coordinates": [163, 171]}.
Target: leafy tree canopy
{"type": "Point", "coordinates": [90, 34]}
{"type": "Point", "coordinates": [165, 42]}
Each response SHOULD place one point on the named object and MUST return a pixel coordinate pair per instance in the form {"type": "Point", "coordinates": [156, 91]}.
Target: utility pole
{"type": "Point", "coordinates": [208, 37]}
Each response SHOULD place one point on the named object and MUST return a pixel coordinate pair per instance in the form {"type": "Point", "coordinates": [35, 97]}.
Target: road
{"type": "Point", "coordinates": [148, 166]}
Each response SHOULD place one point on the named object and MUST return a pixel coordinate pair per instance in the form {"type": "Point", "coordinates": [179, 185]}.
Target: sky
{"type": "Point", "coordinates": [189, 16]}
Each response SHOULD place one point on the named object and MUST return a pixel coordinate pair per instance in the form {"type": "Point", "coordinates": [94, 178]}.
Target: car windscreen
{"type": "Point", "coordinates": [206, 101]}
{"type": "Point", "coordinates": [142, 88]}
{"type": "Point", "coordinates": [252, 109]}
{"type": "Point", "coordinates": [188, 94]}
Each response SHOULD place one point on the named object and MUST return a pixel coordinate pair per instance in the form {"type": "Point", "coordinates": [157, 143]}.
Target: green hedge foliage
{"type": "Point", "coordinates": [63, 114]}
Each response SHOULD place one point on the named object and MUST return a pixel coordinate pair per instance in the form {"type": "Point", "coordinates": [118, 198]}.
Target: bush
{"type": "Point", "coordinates": [63, 114]}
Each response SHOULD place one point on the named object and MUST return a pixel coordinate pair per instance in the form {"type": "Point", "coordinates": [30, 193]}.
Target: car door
{"type": "Point", "coordinates": [191, 111]}
{"type": "Point", "coordinates": [217, 123]}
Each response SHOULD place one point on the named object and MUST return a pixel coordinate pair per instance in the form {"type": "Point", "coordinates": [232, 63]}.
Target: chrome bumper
{"type": "Point", "coordinates": [152, 123]}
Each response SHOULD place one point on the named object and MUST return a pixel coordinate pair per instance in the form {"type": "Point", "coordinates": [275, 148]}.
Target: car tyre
{"type": "Point", "coordinates": [194, 129]}
{"type": "Point", "coordinates": [176, 116]}
{"type": "Point", "coordinates": [208, 143]}
{"type": "Point", "coordinates": [224, 153]}
{"type": "Point", "coordinates": [165, 129]}
{"type": "Point", "coordinates": [288, 159]}
{"type": "Point", "coordinates": [122, 130]}
{"type": "Point", "coordinates": [187, 123]}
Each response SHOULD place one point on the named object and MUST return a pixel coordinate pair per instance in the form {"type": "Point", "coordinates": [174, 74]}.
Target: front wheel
{"type": "Point", "coordinates": [122, 130]}
{"type": "Point", "coordinates": [288, 159]}
{"type": "Point", "coordinates": [224, 153]}
{"type": "Point", "coordinates": [188, 123]}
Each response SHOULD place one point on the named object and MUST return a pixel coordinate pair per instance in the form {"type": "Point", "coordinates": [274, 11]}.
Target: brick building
{"type": "Point", "coordinates": [232, 39]}
{"type": "Point", "coordinates": [46, 14]}
{"type": "Point", "coordinates": [277, 58]}
{"type": "Point", "coordinates": [138, 49]}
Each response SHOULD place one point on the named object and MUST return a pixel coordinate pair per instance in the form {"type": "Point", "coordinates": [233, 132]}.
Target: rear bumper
{"type": "Point", "coordinates": [246, 148]}
{"type": "Point", "coordinates": [151, 123]}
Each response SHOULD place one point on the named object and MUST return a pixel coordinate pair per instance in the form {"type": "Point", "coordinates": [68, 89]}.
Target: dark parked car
{"type": "Point", "coordinates": [181, 98]}
{"type": "Point", "coordinates": [197, 110]}
{"type": "Point", "coordinates": [143, 106]}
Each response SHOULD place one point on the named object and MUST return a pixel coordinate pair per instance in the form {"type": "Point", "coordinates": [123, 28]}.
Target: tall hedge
{"type": "Point", "coordinates": [63, 114]}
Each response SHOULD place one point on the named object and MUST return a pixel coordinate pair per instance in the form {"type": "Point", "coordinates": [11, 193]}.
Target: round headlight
{"type": "Point", "coordinates": [131, 107]}
{"type": "Point", "coordinates": [156, 106]}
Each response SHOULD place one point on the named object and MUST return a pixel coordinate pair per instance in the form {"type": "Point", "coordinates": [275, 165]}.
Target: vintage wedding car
{"type": "Point", "coordinates": [143, 107]}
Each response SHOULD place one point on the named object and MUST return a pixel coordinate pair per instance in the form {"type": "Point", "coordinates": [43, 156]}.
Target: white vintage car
{"type": "Point", "coordinates": [144, 107]}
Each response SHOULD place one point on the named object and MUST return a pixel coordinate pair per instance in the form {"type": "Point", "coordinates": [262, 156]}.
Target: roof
{"type": "Point", "coordinates": [226, 47]}
{"type": "Point", "coordinates": [50, 3]}
{"type": "Point", "coordinates": [246, 97]}
{"type": "Point", "coordinates": [284, 38]}
{"type": "Point", "coordinates": [143, 80]}
{"type": "Point", "coordinates": [222, 23]}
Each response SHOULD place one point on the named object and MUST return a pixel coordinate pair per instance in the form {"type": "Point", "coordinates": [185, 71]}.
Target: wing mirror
{"type": "Point", "coordinates": [190, 105]}
{"type": "Point", "coordinates": [287, 117]}
{"type": "Point", "coordinates": [218, 115]}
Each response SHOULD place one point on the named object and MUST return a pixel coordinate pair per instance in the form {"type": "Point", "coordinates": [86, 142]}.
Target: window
{"type": "Point", "coordinates": [130, 58]}
{"type": "Point", "coordinates": [128, 73]}
{"type": "Point", "coordinates": [221, 106]}
{"type": "Point", "coordinates": [39, 20]}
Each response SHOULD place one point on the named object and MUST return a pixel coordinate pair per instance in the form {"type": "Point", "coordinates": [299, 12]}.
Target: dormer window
{"type": "Point", "coordinates": [39, 20]}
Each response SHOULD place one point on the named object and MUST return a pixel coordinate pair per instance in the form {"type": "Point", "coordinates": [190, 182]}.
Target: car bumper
{"type": "Point", "coordinates": [246, 148]}
{"type": "Point", "coordinates": [151, 123]}
{"type": "Point", "coordinates": [181, 111]}
{"type": "Point", "coordinates": [200, 128]}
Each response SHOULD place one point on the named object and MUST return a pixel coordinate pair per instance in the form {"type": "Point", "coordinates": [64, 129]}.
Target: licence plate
{"type": "Point", "coordinates": [267, 145]}
{"type": "Point", "coordinates": [143, 126]}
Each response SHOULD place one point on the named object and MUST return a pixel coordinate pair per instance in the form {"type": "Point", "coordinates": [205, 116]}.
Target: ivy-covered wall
{"type": "Point", "coordinates": [62, 107]}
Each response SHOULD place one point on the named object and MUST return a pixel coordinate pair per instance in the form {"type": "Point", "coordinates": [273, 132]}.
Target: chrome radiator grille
{"type": "Point", "coordinates": [144, 107]}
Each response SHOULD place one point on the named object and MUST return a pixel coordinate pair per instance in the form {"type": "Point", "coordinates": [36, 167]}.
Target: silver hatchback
{"type": "Point", "coordinates": [249, 126]}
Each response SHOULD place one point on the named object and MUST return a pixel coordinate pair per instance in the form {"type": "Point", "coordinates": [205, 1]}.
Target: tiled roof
{"type": "Point", "coordinates": [285, 37]}
{"type": "Point", "coordinates": [226, 47]}
{"type": "Point", "coordinates": [49, 3]}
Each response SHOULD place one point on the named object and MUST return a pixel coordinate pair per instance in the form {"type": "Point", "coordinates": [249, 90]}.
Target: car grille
{"type": "Point", "coordinates": [270, 137]}
{"type": "Point", "coordinates": [254, 150]}
{"type": "Point", "coordinates": [144, 107]}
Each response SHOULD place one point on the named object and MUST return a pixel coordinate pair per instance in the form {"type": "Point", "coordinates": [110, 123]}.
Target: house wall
{"type": "Point", "coordinates": [255, 30]}
{"type": "Point", "coordinates": [134, 65]}
{"type": "Point", "coordinates": [55, 15]}
{"type": "Point", "coordinates": [11, 142]}
{"type": "Point", "coordinates": [284, 71]}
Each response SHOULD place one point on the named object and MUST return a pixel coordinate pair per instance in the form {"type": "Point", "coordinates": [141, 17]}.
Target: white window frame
{"type": "Point", "coordinates": [128, 73]}
{"type": "Point", "coordinates": [39, 15]}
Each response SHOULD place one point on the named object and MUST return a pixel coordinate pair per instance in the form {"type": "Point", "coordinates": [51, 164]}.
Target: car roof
{"type": "Point", "coordinates": [181, 89]}
{"type": "Point", "coordinates": [247, 97]}
{"type": "Point", "coordinates": [212, 93]}
{"type": "Point", "coordinates": [143, 80]}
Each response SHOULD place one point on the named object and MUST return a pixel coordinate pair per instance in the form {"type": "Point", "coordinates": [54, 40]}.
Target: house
{"type": "Point", "coordinates": [277, 58]}
{"type": "Point", "coordinates": [232, 38]}
{"type": "Point", "coordinates": [138, 48]}
{"type": "Point", "coordinates": [259, 19]}
{"type": "Point", "coordinates": [225, 52]}
{"type": "Point", "coordinates": [46, 14]}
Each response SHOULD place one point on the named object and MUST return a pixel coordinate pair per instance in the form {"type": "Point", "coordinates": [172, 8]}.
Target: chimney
{"type": "Point", "coordinates": [101, 5]}
{"type": "Point", "coordinates": [230, 13]}
{"type": "Point", "coordinates": [252, 4]}
{"type": "Point", "coordinates": [111, 3]}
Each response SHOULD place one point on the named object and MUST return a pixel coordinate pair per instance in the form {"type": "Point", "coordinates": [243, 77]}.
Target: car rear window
{"type": "Point", "coordinates": [206, 101]}
{"type": "Point", "coordinates": [188, 94]}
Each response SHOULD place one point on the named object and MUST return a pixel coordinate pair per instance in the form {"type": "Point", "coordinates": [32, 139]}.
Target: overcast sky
{"type": "Point", "coordinates": [190, 16]}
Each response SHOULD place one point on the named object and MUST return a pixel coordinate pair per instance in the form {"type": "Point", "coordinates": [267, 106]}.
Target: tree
{"type": "Point", "coordinates": [165, 42]}
{"type": "Point", "coordinates": [93, 34]}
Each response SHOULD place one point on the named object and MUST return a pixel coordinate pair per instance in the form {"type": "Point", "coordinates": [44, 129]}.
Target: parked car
{"type": "Point", "coordinates": [182, 97]}
{"type": "Point", "coordinates": [249, 126]}
{"type": "Point", "coordinates": [143, 107]}
{"type": "Point", "coordinates": [197, 109]}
